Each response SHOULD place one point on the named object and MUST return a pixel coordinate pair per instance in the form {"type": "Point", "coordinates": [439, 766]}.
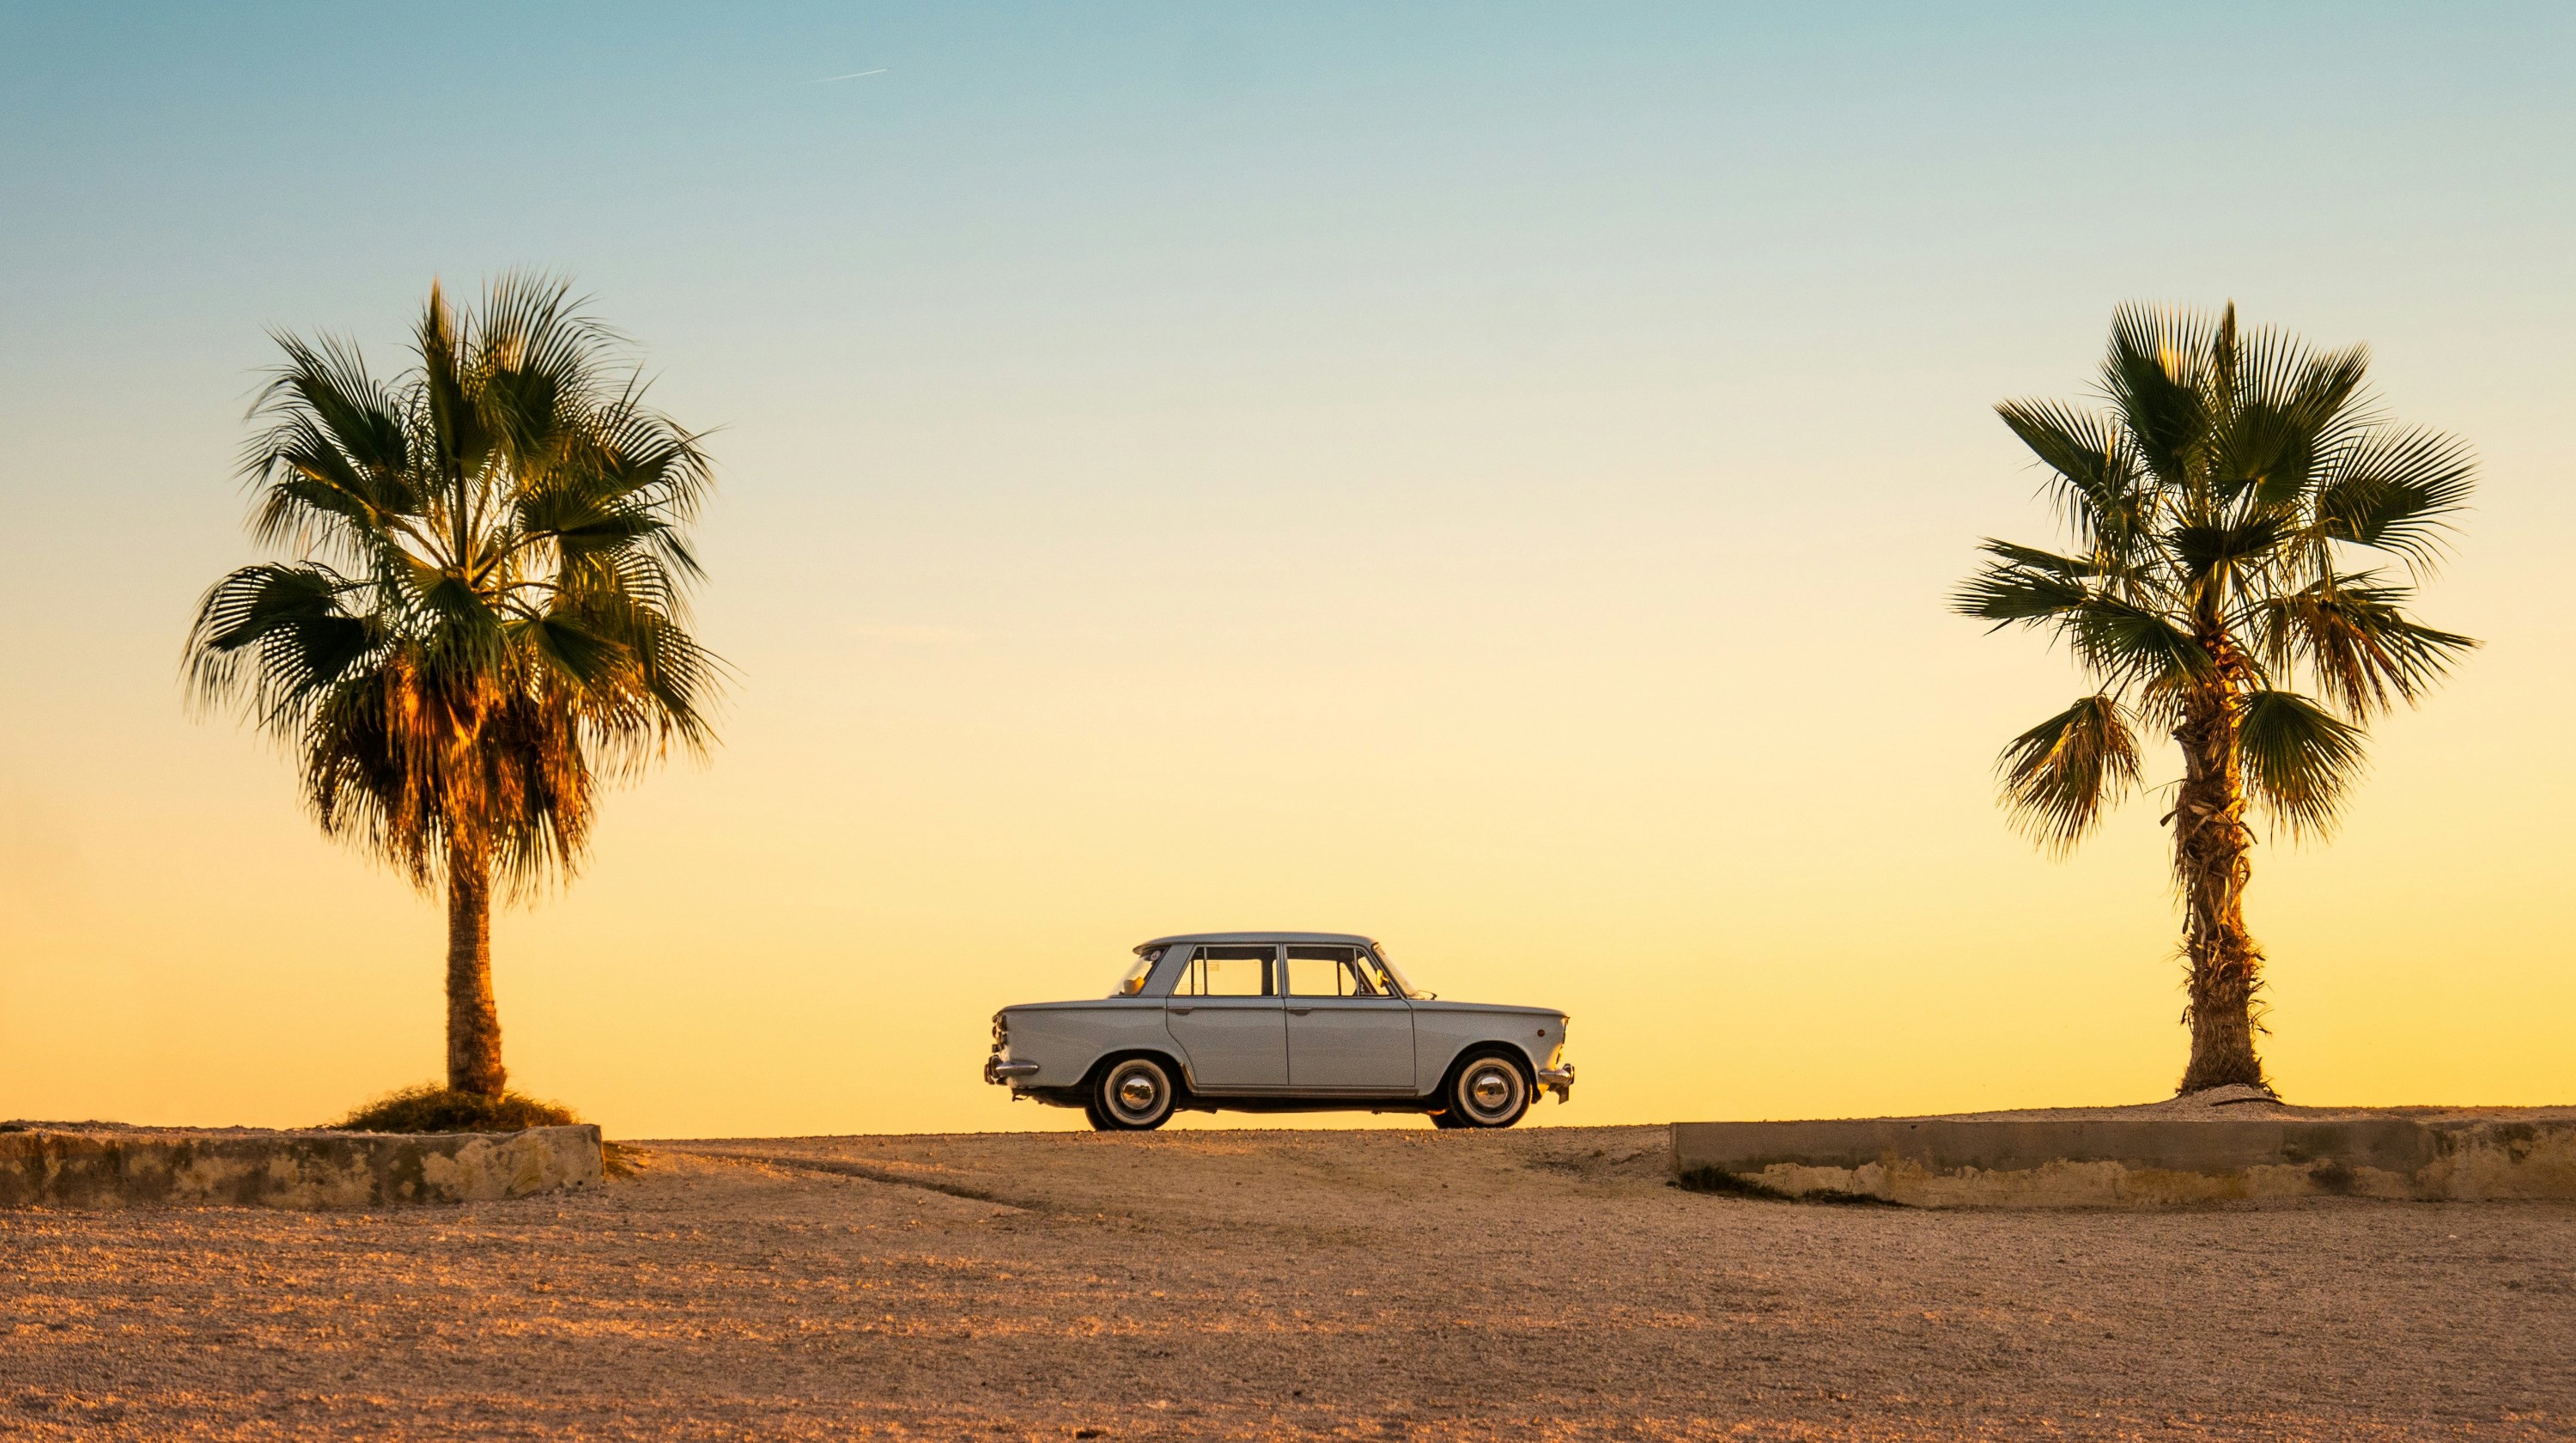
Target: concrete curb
{"type": "Point", "coordinates": [2136, 1162]}
{"type": "Point", "coordinates": [65, 1168]}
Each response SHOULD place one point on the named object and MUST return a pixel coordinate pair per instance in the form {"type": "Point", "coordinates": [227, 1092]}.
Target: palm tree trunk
{"type": "Point", "coordinates": [473, 1022]}
{"type": "Point", "coordinates": [2211, 844]}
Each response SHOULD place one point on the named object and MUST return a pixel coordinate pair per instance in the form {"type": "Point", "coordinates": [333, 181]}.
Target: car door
{"type": "Point", "coordinates": [1224, 1012]}
{"type": "Point", "coordinates": [1347, 1031]}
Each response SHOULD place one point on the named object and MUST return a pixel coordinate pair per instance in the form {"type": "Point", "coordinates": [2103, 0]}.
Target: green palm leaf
{"type": "Point", "coordinates": [2397, 492]}
{"type": "Point", "coordinates": [2006, 594]}
{"type": "Point", "coordinates": [2097, 481]}
{"type": "Point", "coordinates": [2300, 759]}
{"type": "Point", "coordinates": [2135, 646]}
{"type": "Point", "coordinates": [2357, 641]}
{"type": "Point", "coordinates": [2060, 776]}
{"type": "Point", "coordinates": [2157, 374]}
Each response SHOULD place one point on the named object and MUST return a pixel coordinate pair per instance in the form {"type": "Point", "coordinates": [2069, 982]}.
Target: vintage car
{"type": "Point", "coordinates": [1277, 1022]}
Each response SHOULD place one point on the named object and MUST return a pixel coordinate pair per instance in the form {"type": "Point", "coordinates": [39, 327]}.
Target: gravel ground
{"type": "Point", "coordinates": [1538, 1284]}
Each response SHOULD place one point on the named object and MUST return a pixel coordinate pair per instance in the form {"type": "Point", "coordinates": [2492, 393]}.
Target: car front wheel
{"type": "Point", "coordinates": [1488, 1092]}
{"type": "Point", "coordinates": [1135, 1095]}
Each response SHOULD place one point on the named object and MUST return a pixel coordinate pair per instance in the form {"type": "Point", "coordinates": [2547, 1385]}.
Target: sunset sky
{"type": "Point", "coordinates": [1485, 477]}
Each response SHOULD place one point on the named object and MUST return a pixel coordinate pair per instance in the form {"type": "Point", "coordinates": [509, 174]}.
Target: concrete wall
{"type": "Point", "coordinates": [1934, 1162]}
{"type": "Point", "coordinates": [47, 1167]}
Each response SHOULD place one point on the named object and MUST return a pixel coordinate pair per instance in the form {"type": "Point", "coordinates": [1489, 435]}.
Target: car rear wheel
{"type": "Point", "coordinates": [1133, 1095]}
{"type": "Point", "coordinates": [1488, 1091]}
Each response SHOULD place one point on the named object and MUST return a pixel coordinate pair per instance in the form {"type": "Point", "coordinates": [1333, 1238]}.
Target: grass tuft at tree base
{"type": "Point", "coordinates": [432, 1108]}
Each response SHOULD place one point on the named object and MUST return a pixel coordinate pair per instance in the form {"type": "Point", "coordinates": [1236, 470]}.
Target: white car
{"type": "Point", "coordinates": [1277, 1022]}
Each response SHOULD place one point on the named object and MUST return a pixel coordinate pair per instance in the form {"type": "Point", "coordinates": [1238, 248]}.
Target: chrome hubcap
{"type": "Point", "coordinates": [1491, 1091]}
{"type": "Point", "coordinates": [1136, 1092]}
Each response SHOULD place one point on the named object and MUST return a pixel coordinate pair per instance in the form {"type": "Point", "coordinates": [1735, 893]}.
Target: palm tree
{"type": "Point", "coordinates": [2231, 517]}
{"type": "Point", "coordinates": [483, 613]}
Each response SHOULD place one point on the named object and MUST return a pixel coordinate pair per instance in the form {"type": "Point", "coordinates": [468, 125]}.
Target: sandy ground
{"type": "Point", "coordinates": [1538, 1284]}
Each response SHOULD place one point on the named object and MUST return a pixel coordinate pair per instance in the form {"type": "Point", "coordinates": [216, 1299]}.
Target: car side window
{"type": "Point", "coordinates": [1226, 972]}
{"type": "Point", "coordinates": [1330, 972]}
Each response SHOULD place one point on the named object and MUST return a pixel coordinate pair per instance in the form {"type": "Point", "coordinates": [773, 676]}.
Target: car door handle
{"type": "Point", "coordinates": [1299, 1011]}
{"type": "Point", "coordinates": [1181, 1009]}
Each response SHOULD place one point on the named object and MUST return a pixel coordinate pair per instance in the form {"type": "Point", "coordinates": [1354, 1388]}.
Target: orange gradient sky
{"type": "Point", "coordinates": [1489, 482]}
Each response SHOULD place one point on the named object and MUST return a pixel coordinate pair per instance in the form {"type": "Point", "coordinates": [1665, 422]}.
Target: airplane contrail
{"type": "Point", "coordinates": [853, 75]}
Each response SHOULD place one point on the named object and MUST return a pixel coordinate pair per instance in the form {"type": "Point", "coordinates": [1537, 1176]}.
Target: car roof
{"type": "Point", "coordinates": [1346, 939]}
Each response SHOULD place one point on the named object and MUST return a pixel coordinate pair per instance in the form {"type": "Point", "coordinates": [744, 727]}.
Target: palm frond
{"type": "Point", "coordinates": [2004, 594]}
{"type": "Point", "coordinates": [2131, 643]}
{"type": "Point", "coordinates": [2288, 411]}
{"type": "Point", "coordinates": [360, 780]}
{"type": "Point", "coordinates": [2300, 759]}
{"type": "Point", "coordinates": [2050, 562]}
{"type": "Point", "coordinates": [2355, 636]}
{"type": "Point", "coordinates": [2204, 549]}
{"type": "Point", "coordinates": [273, 637]}
{"type": "Point", "coordinates": [324, 389]}
{"type": "Point", "coordinates": [458, 439]}
{"type": "Point", "coordinates": [648, 456]}
{"type": "Point", "coordinates": [336, 452]}
{"type": "Point", "coordinates": [2060, 776]}
{"type": "Point", "coordinates": [536, 358]}
{"type": "Point", "coordinates": [2325, 395]}
{"type": "Point", "coordinates": [2097, 488]}
{"type": "Point", "coordinates": [2155, 374]}
{"type": "Point", "coordinates": [2397, 492]}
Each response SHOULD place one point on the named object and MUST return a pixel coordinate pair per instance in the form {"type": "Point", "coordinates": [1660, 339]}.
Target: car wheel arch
{"type": "Point", "coordinates": [1492, 1047]}
{"type": "Point", "coordinates": [1171, 1061]}
{"type": "Point", "coordinates": [1488, 1047]}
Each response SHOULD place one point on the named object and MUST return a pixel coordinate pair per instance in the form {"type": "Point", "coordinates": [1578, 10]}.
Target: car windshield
{"type": "Point", "coordinates": [1407, 983]}
{"type": "Point", "coordinates": [1143, 967]}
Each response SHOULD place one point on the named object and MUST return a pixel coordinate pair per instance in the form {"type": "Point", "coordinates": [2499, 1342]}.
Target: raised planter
{"type": "Point", "coordinates": [2134, 1161]}
{"type": "Point", "coordinates": [48, 1165]}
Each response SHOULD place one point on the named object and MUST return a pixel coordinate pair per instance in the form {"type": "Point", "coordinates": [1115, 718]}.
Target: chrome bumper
{"type": "Point", "coordinates": [1559, 1080]}
{"type": "Point", "coordinates": [1000, 1073]}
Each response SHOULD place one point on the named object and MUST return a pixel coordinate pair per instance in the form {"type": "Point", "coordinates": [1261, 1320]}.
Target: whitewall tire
{"type": "Point", "coordinates": [1489, 1091]}
{"type": "Point", "coordinates": [1135, 1094]}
